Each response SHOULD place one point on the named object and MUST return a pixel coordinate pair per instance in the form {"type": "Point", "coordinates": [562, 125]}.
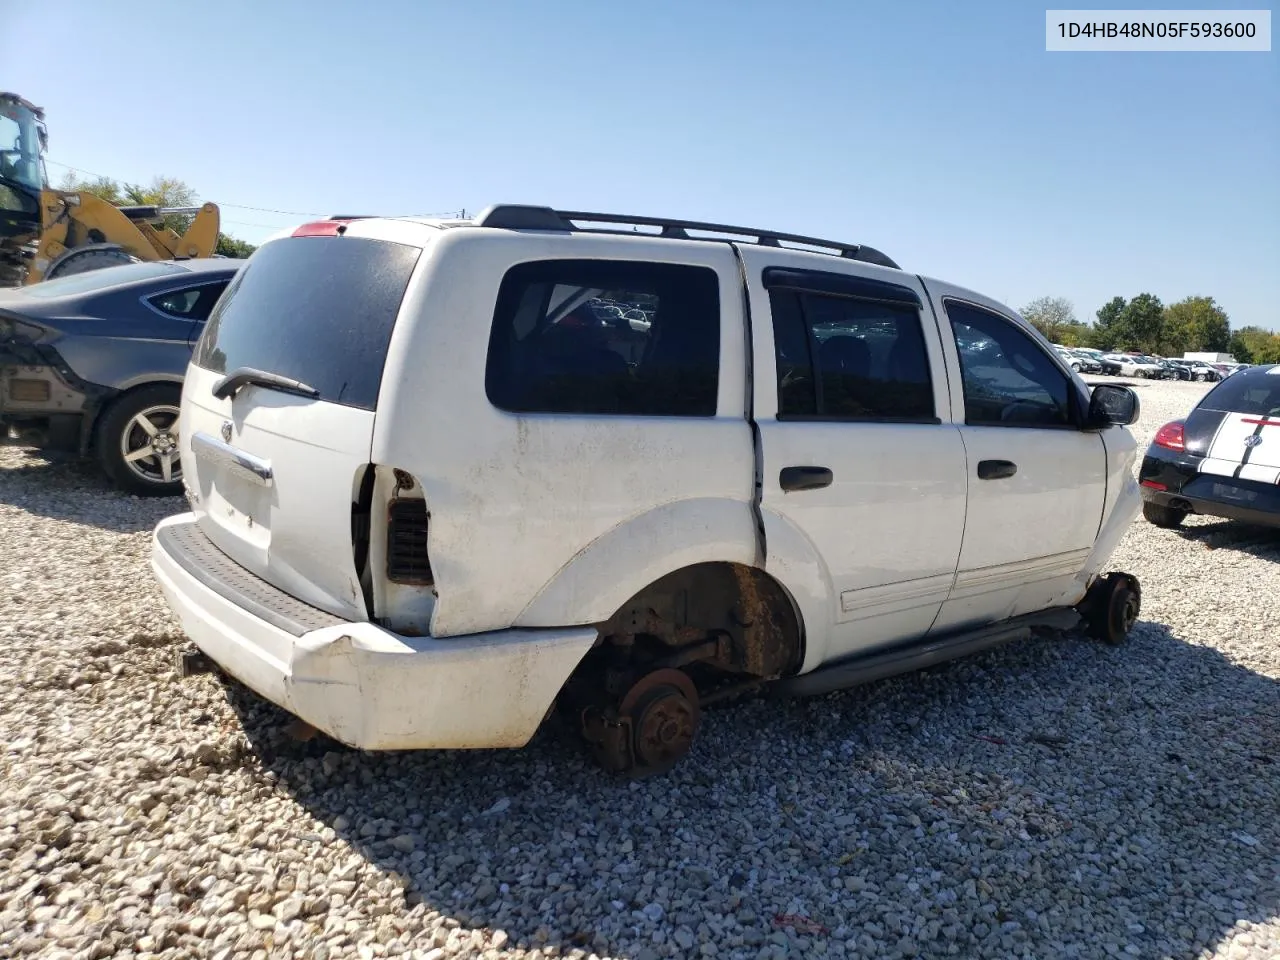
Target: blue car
{"type": "Point", "coordinates": [92, 364]}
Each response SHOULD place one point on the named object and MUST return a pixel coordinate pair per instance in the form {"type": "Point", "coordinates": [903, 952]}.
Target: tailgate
{"type": "Point", "coordinates": [278, 409]}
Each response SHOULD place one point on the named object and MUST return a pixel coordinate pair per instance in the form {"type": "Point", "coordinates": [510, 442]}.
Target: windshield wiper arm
{"type": "Point", "coordinates": [242, 377]}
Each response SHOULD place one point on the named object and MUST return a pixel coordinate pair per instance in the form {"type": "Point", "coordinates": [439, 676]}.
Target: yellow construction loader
{"type": "Point", "coordinates": [47, 233]}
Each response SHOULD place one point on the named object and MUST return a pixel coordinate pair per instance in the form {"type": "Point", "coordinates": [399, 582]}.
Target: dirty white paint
{"type": "Point", "coordinates": [371, 689]}
{"type": "Point", "coordinates": [295, 533]}
{"type": "Point", "coordinates": [542, 523]}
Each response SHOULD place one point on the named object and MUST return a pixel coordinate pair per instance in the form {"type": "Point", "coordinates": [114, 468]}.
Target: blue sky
{"type": "Point", "coordinates": [941, 133]}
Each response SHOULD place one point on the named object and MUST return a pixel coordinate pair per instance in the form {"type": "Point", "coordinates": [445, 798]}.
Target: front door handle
{"type": "Point", "coordinates": [996, 469]}
{"type": "Point", "coordinates": [792, 479]}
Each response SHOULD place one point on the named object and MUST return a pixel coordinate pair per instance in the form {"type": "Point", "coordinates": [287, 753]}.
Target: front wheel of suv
{"type": "Point", "coordinates": [137, 441]}
{"type": "Point", "coordinates": [1162, 516]}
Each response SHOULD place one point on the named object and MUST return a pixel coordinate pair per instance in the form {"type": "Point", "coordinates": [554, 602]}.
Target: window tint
{"type": "Point", "coordinates": [845, 358]}
{"type": "Point", "coordinates": [316, 309]}
{"type": "Point", "coordinates": [193, 303]}
{"type": "Point", "coordinates": [1008, 379]}
{"type": "Point", "coordinates": [606, 337]}
{"type": "Point", "coordinates": [1257, 394]}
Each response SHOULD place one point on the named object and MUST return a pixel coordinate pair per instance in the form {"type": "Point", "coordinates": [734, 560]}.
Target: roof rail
{"type": "Point", "coordinates": [511, 216]}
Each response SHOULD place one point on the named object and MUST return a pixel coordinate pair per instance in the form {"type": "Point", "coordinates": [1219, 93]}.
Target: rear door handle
{"type": "Point", "coordinates": [996, 469]}
{"type": "Point", "coordinates": [792, 479]}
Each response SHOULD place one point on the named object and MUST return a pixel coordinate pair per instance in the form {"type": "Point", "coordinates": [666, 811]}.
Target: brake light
{"type": "Point", "coordinates": [323, 228]}
{"type": "Point", "coordinates": [1171, 436]}
{"type": "Point", "coordinates": [1153, 484]}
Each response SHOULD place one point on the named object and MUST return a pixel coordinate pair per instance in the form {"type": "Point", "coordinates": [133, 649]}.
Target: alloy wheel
{"type": "Point", "coordinates": [149, 444]}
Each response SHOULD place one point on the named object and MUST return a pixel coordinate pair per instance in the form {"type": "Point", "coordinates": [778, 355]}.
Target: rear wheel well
{"type": "Point", "coordinates": [94, 420]}
{"type": "Point", "coordinates": [728, 625]}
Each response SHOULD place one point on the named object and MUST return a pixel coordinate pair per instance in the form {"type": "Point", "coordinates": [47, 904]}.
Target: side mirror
{"type": "Point", "coordinates": [1111, 404]}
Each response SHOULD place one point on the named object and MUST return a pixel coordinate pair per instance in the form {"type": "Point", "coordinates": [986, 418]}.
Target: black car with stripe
{"type": "Point", "coordinates": [1222, 459]}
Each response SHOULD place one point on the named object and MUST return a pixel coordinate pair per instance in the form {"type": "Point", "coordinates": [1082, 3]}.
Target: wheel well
{"type": "Point", "coordinates": [727, 627]}
{"type": "Point", "coordinates": [723, 622]}
{"type": "Point", "coordinates": [89, 438]}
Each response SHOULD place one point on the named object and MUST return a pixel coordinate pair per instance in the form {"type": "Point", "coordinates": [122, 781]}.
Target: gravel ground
{"type": "Point", "coordinates": [1053, 798]}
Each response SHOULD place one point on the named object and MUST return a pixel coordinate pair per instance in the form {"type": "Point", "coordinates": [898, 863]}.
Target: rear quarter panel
{"type": "Point", "coordinates": [115, 341]}
{"type": "Point", "coordinates": [554, 518]}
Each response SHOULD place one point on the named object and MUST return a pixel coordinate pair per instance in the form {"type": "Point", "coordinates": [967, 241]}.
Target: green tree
{"type": "Point", "coordinates": [1255, 345]}
{"type": "Point", "coordinates": [231, 247]}
{"type": "Point", "coordinates": [1141, 323]}
{"type": "Point", "coordinates": [1196, 323]}
{"type": "Point", "coordinates": [1109, 328]}
{"type": "Point", "coordinates": [1052, 316]}
{"type": "Point", "coordinates": [162, 192]}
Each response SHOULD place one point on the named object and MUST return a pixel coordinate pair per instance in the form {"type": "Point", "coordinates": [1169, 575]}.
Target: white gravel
{"type": "Point", "coordinates": [1053, 798]}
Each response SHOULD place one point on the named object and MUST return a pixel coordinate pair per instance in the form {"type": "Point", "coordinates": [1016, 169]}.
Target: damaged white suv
{"type": "Point", "coordinates": [445, 475]}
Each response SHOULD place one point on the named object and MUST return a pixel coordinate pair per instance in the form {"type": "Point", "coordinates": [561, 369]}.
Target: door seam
{"type": "Point", "coordinates": [757, 444]}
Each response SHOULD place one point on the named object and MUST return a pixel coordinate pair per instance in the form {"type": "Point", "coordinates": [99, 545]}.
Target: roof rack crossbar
{"type": "Point", "coordinates": [521, 217]}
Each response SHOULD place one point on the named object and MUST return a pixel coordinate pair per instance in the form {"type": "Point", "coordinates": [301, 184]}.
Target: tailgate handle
{"type": "Point", "coordinates": [253, 469]}
{"type": "Point", "coordinates": [996, 469]}
{"type": "Point", "coordinates": [804, 478]}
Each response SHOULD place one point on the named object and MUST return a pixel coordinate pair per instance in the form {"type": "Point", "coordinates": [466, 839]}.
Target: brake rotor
{"type": "Point", "coordinates": [663, 709]}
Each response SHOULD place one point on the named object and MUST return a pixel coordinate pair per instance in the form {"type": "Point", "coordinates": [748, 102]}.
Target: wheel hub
{"type": "Point", "coordinates": [665, 727]}
{"type": "Point", "coordinates": [652, 728]}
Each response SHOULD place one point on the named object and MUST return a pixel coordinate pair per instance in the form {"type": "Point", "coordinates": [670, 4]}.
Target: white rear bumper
{"type": "Point", "coordinates": [367, 687]}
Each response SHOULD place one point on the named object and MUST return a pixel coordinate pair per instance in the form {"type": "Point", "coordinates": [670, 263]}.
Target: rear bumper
{"type": "Point", "coordinates": [362, 685]}
{"type": "Point", "coordinates": [1185, 488]}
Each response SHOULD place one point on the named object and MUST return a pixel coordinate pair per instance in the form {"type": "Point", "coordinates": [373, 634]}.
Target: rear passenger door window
{"type": "Point", "coordinates": [848, 357]}
{"type": "Point", "coordinates": [606, 337]}
{"type": "Point", "coordinates": [1009, 381]}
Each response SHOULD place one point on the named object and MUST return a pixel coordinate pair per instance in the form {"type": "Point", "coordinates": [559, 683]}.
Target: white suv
{"type": "Point", "coordinates": [445, 475]}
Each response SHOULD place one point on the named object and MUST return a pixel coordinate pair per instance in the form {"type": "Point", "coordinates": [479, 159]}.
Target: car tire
{"type": "Point", "coordinates": [143, 419]}
{"type": "Point", "coordinates": [1112, 607]}
{"type": "Point", "coordinates": [1162, 516]}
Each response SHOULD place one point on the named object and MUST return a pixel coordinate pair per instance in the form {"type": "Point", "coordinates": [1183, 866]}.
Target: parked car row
{"type": "Point", "coordinates": [1089, 360]}
{"type": "Point", "coordinates": [423, 528]}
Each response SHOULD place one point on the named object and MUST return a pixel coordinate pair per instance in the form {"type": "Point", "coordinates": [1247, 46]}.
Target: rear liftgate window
{"type": "Point", "coordinates": [315, 309]}
{"type": "Point", "coordinates": [606, 337]}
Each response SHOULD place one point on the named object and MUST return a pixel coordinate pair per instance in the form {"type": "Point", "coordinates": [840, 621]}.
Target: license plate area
{"type": "Point", "coordinates": [237, 488]}
{"type": "Point", "coordinates": [1229, 491]}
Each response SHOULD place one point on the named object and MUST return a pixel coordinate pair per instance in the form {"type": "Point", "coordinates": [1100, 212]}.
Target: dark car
{"type": "Point", "coordinates": [94, 362]}
{"type": "Point", "coordinates": [1173, 369]}
{"type": "Point", "coordinates": [1222, 459]}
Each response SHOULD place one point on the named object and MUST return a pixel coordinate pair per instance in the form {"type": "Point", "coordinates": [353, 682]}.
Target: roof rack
{"type": "Point", "coordinates": [511, 216]}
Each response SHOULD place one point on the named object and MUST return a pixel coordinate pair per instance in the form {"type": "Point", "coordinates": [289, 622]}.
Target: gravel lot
{"type": "Point", "coordinates": [1053, 798]}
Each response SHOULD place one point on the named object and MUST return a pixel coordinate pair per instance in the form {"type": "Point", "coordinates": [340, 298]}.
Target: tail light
{"type": "Point", "coordinates": [1171, 436]}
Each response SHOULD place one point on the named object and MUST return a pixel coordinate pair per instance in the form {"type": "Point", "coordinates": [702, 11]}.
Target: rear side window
{"type": "Point", "coordinates": [1256, 393]}
{"type": "Point", "coordinates": [606, 337]}
{"type": "Point", "coordinates": [315, 309]}
{"type": "Point", "coordinates": [194, 303]}
{"type": "Point", "coordinates": [844, 358]}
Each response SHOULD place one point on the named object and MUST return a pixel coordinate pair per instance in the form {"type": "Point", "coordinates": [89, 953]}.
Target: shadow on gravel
{"type": "Point", "coordinates": [1050, 798]}
{"type": "Point", "coordinates": [76, 491]}
{"type": "Point", "coordinates": [1261, 542]}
